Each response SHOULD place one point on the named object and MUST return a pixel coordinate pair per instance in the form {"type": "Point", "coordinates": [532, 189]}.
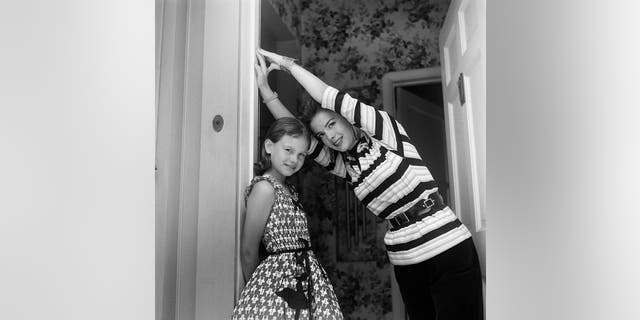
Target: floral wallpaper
{"type": "Point", "coordinates": [351, 44]}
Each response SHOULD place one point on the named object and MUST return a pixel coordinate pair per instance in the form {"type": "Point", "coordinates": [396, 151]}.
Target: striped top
{"type": "Point", "coordinates": [389, 177]}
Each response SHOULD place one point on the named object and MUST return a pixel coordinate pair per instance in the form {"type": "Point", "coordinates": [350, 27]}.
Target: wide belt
{"type": "Point", "coordinates": [304, 242]}
{"type": "Point", "coordinates": [421, 209]}
{"type": "Point", "coordinates": [290, 251]}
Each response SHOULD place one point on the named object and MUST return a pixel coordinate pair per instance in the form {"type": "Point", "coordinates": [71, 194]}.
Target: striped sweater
{"type": "Point", "coordinates": [389, 177]}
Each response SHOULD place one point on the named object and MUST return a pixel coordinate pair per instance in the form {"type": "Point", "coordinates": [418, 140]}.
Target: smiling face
{"type": "Point", "coordinates": [333, 130]}
{"type": "Point", "coordinates": [287, 154]}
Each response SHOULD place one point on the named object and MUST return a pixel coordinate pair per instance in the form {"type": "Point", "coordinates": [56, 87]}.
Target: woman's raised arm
{"type": "Point", "coordinates": [314, 86]}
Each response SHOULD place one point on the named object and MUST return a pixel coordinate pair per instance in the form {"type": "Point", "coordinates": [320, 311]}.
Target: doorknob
{"type": "Point", "coordinates": [461, 89]}
{"type": "Point", "coordinates": [218, 123]}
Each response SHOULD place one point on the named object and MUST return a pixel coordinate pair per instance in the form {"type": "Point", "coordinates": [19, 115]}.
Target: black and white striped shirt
{"type": "Point", "coordinates": [389, 177]}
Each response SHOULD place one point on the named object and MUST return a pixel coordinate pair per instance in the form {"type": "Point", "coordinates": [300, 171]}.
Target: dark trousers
{"type": "Point", "coordinates": [445, 287]}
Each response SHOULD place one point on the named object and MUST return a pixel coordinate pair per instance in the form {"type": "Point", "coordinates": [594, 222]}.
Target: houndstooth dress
{"type": "Point", "coordinates": [290, 281]}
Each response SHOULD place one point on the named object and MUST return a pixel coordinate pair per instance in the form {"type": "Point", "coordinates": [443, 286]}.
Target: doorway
{"type": "Point", "coordinates": [420, 109]}
{"type": "Point", "coordinates": [414, 97]}
{"type": "Point", "coordinates": [347, 240]}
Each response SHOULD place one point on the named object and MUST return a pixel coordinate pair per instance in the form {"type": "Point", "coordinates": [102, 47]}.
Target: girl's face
{"type": "Point", "coordinates": [333, 130]}
{"type": "Point", "coordinates": [288, 154]}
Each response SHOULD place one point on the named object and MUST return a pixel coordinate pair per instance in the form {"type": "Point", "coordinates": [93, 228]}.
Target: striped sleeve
{"type": "Point", "coordinates": [377, 123]}
{"type": "Point", "coordinates": [328, 158]}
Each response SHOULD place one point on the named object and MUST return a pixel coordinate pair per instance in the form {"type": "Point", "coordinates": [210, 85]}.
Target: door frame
{"type": "Point", "coordinates": [391, 81]}
{"type": "Point", "coordinates": [248, 112]}
{"type": "Point", "coordinates": [227, 54]}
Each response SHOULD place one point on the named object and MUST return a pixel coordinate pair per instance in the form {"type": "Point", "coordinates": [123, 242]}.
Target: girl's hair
{"type": "Point", "coordinates": [283, 126]}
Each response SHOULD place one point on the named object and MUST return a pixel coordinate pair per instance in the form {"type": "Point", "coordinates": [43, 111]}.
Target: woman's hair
{"type": "Point", "coordinates": [310, 108]}
{"type": "Point", "coordinates": [283, 126]}
{"type": "Point", "coordinates": [308, 113]}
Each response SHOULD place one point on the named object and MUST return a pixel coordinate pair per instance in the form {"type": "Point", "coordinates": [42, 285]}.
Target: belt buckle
{"type": "Point", "coordinates": [425, 203]}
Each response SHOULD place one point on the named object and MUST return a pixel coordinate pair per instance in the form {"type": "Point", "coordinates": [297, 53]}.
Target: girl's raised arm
{"type": "Point", "coordinates": [314, 86]}
{"type": "Point", "coordinates": [270, 98]}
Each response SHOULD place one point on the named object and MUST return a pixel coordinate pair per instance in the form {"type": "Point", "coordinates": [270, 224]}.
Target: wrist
{"type": "Point", "coordinates": [271, 97]}
{"type": "Point", "coordinates": [265, 90]}
{"type": "Point", "coordinates": [287, 63]}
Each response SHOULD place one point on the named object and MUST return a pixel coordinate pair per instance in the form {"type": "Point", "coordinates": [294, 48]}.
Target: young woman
{"type": "Point", "coordinates": [289, 283]}
{"type": "Point", "coordinates": [434, 258]}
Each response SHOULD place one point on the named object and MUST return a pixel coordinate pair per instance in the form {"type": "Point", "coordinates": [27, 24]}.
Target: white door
{"type": "Point", "coordinates": [463, 54]}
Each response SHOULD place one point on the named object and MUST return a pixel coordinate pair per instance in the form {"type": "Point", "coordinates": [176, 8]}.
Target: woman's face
{"type": "Point", "coordinates": [333, 130]}
{"type": "Point", "coordinates": [288, 154]}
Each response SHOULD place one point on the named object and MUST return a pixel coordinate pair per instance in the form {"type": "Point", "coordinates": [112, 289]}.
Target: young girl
{"type": "Point", "coordinates": [289, 283]}
{"type": "Point", "coordinates": [434, 258]}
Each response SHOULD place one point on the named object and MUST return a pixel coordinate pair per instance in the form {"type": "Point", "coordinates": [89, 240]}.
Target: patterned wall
{"type": "Point", "coordinates": [351, 44]}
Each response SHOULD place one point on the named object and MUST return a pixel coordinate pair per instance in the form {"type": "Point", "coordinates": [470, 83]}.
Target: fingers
{"type": "Point", "coordinates": [272, 57]}
{"type": "Point", "coordinates": [263, 64]}
{"type": "Point", "coordinates": [272, 67]}
{"type": "Point", "coordinates": [259, 68]}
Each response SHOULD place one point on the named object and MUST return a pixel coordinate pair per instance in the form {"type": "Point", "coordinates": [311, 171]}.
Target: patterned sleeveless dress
{"type": "Point", "coordinates": [290, 282]}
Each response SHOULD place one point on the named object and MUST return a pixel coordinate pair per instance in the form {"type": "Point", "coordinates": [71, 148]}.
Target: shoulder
{"type": "Point", "coordinates": [263, 187]}
{"type": "Point", "coordinates": [262, 194]}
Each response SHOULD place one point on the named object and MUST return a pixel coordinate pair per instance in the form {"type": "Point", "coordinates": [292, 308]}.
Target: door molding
{"type": "Point", "coordinates": [248, 120]}
{"type": "Point", "coordinates": [392, 80]}
{"type": "Point", "coordinates": [227, 90]}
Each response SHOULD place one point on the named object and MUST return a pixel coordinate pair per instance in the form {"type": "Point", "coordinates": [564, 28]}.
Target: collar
{"type": "Point", "coordinates": [360, 148]}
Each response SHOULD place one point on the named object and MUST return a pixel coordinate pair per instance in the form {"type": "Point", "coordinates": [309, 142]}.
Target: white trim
{"type": "Point", "coordinates": [453, 163]}
{"type": "Point", "coordinates": [158, 67]}
{"type": "Point", "coordinates": [248, 118]}
{"type": "Point", "coordinates": [190, 161]}
{"type": "Point", "coordinates": [448, 85]}
{"type": "Point", "coordinates": [160, 210]}
{"type": "Point", "coordinates": [395, 79]}
{"type": "Point", "coordinates": [171, 157]}
{"type": "Point", "coordinates": [216, 233]}
{"type": "Point", "coordinates": [475, 188]}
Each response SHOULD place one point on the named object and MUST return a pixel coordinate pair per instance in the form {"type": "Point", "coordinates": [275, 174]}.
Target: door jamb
{"type": "Point", "coordinates": [392, 80]}
{"type": "Point", "coordinates": [248, 115]}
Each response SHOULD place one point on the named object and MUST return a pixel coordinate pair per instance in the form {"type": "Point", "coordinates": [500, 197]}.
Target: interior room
{"type": "Point", "coordinates": [210, 122]}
